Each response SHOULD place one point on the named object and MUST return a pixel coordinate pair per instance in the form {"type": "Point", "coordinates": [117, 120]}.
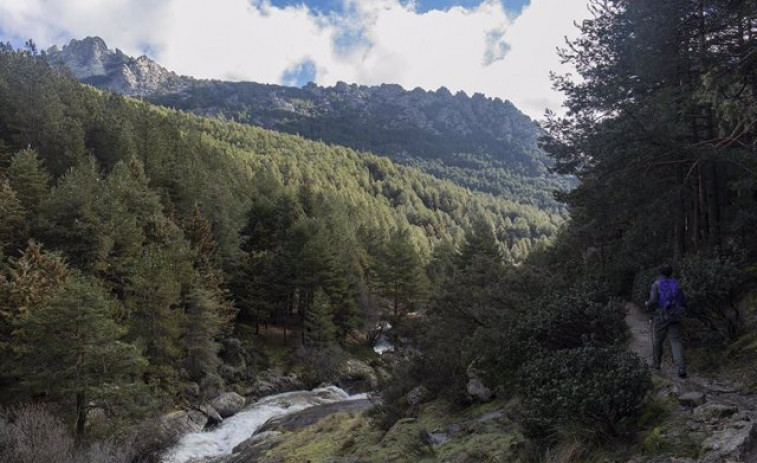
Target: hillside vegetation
{"type": "Point", "coordinates": [178, 230]}
{"type": "Point", "coordinates": [480, 143]}
{"type": "Point", "coordinates": [135, 240]}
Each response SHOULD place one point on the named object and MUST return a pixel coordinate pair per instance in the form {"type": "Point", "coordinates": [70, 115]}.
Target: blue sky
{"type": "Point", "coordinates": [501, 48]}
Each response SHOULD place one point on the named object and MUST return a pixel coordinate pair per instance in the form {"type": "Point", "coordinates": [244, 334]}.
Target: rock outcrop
{"type": "Point", "coordinates": [175, 424]}
{"type": "Point", "coordinates": [91, 61]}
{"type": "Point", "coordinates": [355, 376]}
{"type": "Point", "coordinates": [313, 414]}
{"type": "Point", "coordinates": [270, 382]}
{"type": "Point", "coordinates": [228, 404]}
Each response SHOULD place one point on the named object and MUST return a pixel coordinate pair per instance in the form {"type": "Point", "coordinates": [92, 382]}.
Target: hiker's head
{"type": "Point", "coordinates": [666, 270]}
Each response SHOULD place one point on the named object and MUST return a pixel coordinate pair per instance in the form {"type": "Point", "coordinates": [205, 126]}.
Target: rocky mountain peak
{"type": "Point", "coordinates": [91, 61]}
{"type": "Point", "coordinates": [474, 140]}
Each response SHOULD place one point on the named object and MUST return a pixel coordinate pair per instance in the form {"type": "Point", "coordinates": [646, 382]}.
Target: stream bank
{"type": "Point", "coordinates": [201, 446]}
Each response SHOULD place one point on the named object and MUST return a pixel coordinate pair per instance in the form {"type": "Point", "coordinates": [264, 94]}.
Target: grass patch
{"type": "Point", "coordinates": [354, 437]}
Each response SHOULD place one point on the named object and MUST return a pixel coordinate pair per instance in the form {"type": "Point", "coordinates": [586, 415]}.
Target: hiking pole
{"type": "Point", "coordinates": [651, 333]}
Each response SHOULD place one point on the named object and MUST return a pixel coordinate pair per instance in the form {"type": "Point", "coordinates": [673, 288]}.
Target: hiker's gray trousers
{"type": "Point", "coordinates": [662, 330]}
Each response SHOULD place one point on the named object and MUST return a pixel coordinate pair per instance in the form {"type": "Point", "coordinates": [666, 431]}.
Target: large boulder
{"type": "Point", "coordinates": [269, 382]}
{"type": "Point", "coordinates": [356, 376]}
{"type": "Point", "coordinates": [228, 404]}
{"type": "Point", "coordinates": [213, 416]}
{"type": "Point", "coordinates": [478, 391]}
{"type": "Point", "coordinates": [311, 415]}
{"type": "Point", "coordinates": [175, 424]}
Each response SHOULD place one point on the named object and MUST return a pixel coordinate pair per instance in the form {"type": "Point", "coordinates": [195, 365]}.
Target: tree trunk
{"type": "Point", "coordinates": [713, 204]}
{"type": "Point", "coordinates": [81, 414]}
{"type": "Point", "coordinates": [693, 222]}
{"type": "Point", "coordinates": [679, 233]}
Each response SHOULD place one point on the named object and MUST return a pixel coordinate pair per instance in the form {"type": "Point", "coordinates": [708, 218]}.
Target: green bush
{"type": "Point", "coordinates": [563, 319]}
{"type": "Point", "coordinates": [713, 287]}
{"type": "Point", "coordinates": [595, 387]}
{"type": "Point", "coordinates": [580, 316]}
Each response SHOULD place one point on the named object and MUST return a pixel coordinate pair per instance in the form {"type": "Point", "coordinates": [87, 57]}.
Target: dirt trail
{"type": "Point", "coordinates": [641, 343]}
{"type": "Point", "coordinates": [737, 446]}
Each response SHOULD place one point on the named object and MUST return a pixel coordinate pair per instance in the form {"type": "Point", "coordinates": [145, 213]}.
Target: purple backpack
{"type": "Point", "coordinates": [670, 300]}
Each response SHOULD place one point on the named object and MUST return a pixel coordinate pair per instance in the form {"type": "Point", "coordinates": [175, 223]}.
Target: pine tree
{"type": "Point", "coordinates": [12, 213]}
{"type": "Point", "coordinates": [153, 312]}
{"type": "Point", "coordinates": [319, 328]}
{"type": "Point", "coordinates": [68, 218]}
{"type": "Point", "coordinates": [30, 282]}
{"type": "Point", "coordinates": [207, 266]}
{"type": "Point", "coordinates": [203, 324]}
{"type": "Point", "coordinates": [28, 178]}
{"type": "Point", "coordinates": [73, 348]}
{"type": "Point", "coordinates": [401, 277]}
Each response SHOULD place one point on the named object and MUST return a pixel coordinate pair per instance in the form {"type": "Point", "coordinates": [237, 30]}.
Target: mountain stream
{"type": "Point", "coordinates": [221, 439]}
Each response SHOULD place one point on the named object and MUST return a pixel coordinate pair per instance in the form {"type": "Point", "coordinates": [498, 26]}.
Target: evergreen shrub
{"type": "Point", "coordinates": [595, 387]}
{"type": "Point", "coordinates": [580, 316]}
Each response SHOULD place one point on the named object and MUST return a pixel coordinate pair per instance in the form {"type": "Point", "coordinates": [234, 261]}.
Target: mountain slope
{"type": "Point", "coordinates": [481, 143]}
{"type": "Point", "coordinates": [197, 160]}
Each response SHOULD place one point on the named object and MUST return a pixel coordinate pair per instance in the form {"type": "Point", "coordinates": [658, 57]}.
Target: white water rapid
{"type": "Point", "coordinates": [382, 344]}
{"type": "Point", "coordinates": [238, 428]}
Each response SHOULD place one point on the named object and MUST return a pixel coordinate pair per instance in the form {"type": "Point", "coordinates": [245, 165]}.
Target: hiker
{"type": "Point", "coordinates": [668, 305]}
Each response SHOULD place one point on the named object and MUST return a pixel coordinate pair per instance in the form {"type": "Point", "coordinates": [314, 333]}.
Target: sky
{"type": "Point", "coordinates": [501, 48]}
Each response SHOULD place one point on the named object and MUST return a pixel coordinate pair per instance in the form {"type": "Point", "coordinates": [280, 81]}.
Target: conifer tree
{"type": "Point", "coordinates": [68, 218]}
{"type": "Point", "coordinates": [319, 328]}
{"type": "Point", "coordinates": [30, 282]}
{"type": "Point", "coordinates": [401, 277]}
{"type": "Point", "coordinates": [12, 213]}
{"type": "Point", "coordinates": [73, 348]}
{"type": "Point", "coordinates": [203, 324]}
{"type": "Point", "coordinates": [155, 317]}
{"type": "Point", "coordinates": [207, 266]}
{"type": "Point", "coordinates": [28, 178]}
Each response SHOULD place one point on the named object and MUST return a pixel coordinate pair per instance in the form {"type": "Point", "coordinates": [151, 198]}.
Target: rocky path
{"type": "Point", "coordinates": [721, 414]}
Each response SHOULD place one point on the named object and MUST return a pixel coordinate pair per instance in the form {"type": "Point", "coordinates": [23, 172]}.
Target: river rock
{"type": "Point", "coordinates": [269, 382]}
{"type": "Point", "coordinates": [436, 438]}
{"type": "Point", "coordinates": [692, 399]}
{"type": "Point", "coordinates": [213, 416]}
{"type": "Point", "coordinates": [356, 376]}
{"type": "Point", "coordinates": [477, 390]}
{"type": "Point", "coordinates": [313, 414]}
{"type": "Point", "coordinates": [417, 396]}
{"type": "Point", "coordinates": [228, 404]}
{"type": "Point", "coordinates": [176, 424]}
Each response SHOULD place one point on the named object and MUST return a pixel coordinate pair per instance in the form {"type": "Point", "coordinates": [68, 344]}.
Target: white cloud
{"type": "Point", "coordinates": [483, 49]}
